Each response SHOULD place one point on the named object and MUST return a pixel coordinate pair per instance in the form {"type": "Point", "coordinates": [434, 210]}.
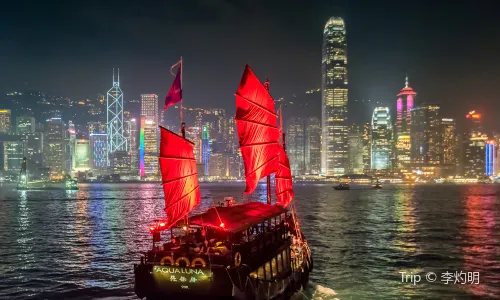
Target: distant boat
{"type": "Point", "coordinates": [342, 186]}
{"type": "Point", "coordinates": [377, 185]}
{"type": "Point", "coordinates": [23, 184]}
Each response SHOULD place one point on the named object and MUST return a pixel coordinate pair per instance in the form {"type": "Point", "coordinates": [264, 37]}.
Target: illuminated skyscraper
{"type": "Point", "coordinates": [98, 153]}
{"type": "Point", "coordinates": [334, 154]}
{"type": "Point", "coordinates": [148, 149]}
{"type": "Point", "coordinates": [449, 141]}
{"type": "Point", "coordinates": [205, 148]}
{"type": "Point", "coordinates": [5, 120]}
{"type": "Point", "coordinates": [296, 146]}
{"type": "Point", "coordinates": [491, 158]}
{"type": "Point", "coordinates": [149, 107]}
{"type": "Point", "coordinates": [55, 146]}
{"type": "Point", "coordinates": [474, 147]}
{"type": "Point", "coordinates": [81, 155]}
{"type": "Point", "coordinates": [25, 125]}
{"type": "Point", "coordinates": [149, 136]}
{"type": "Point", "coordinates": [404, 104]}
{"type": "Point", "coordinates": [114, 119]}
{"type": "Point", "coordinates": [134, 154]}
{"type": "Point", "coordinates": [313, 146]}
{"type": "Point", "coordinates": [355, 150]}
{"type": "Point", "coordinates": [367, 148]}
{"type": "Point", "coordinates": [382, 137]}
{"type": "Point", "coordinates": [426, 142]}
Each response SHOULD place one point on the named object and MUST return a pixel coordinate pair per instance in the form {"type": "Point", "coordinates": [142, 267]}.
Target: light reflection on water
{"type": "Point", "coordinates": [82, 244]}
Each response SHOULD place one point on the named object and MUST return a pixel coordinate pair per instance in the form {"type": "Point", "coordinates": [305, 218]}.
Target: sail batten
{"type": "Point", "coordinates": [258, 134]}
{"type": "Point", "coordinates": [283, 178]}
{"type": "Point", "coordinates": [179, 176]}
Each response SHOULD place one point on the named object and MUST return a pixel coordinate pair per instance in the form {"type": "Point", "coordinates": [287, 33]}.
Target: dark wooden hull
{"type": "Point", "coordinates": [222, 287]}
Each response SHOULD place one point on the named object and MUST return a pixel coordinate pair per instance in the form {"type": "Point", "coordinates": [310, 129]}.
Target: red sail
{"type": "Point", "coordinates": [179, 176]}
{"type": "Point", "coordinates": [284, 188]}
{"type": "Point", "coordinates": [257, 129]}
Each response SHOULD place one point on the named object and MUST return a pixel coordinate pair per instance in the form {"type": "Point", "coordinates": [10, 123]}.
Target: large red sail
{"type": "Point", "coordinates": [257, 129]}
{"type": "Point", "coordinates": [283, 177]}
{"type": "Point", "coordinates": [179, 176]}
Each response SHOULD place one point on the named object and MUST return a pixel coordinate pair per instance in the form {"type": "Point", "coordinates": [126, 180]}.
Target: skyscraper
{"type": "Point", "coordinates": [426, 142]}
{"type": "Point", "coordinates": [81, 155]}
{"type": "Point", "coordinates": [98, 152]}
{"type": "Point", "coordinates": [367, 147]}
{"type": "Point", "coordinates": [334, 154]}
{"type": "Point", "coordinates": [149, 107]}
{"type": "Point", "coordinates": [114, 119]}
{"type": "Point", "coordinates": [449, 145]}
{"type": "Point", "coordinates": [313, 146]}
{"type": "Point", "coordinates": [25, 125]}
{"type": "Point", "coordinates": [355, 150]}
{"type": "Point", "coordinates": [491, 158]}
{"type": "Point", "coordinates": [474, 147]}
{"type": "Point", "coordinates": [205, 148]}
{"type": "Point", "coordinates": [148, 149]}
{"type": "Point", "coordinates": [5, 120]}
{"type": "Point", "coordinates": [149, 137]}
{"type": "Point", "coordinates": [296, 146]}
{"type": "Point", "coordinates": [382, 137]}
{"type": "Point", "coordinates": [404, 104]}
{"type": "Point", "coordinates": [134, 154]}
{"type": "Point", "coordinates": [55, 146]}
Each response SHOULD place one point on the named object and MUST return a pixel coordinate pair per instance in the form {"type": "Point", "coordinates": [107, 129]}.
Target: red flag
{"type": "Point", "coordinates": [175, 93]}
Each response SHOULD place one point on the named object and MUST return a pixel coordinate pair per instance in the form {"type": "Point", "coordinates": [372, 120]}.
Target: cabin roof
{"type": "Point", "coordinates": [237, 218]}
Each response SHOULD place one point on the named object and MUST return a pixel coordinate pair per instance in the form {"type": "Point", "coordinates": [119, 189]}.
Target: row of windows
{"type": "Point", "coordinates": [270, 270]}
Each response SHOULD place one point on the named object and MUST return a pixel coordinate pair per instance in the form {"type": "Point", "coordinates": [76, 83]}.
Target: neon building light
{"type": "Point", "coordinates": [141, 147]}
{"type": "Point", "coordinates": [404, 105]}
{"type": "Point", "coordinates": [205, 147]}
{"type": "Point", "coordinates": [491, 159]}
{"type": "Point", "coordinates": [98, 151]}
{"type": "Point", "coordinates": [114, 119]}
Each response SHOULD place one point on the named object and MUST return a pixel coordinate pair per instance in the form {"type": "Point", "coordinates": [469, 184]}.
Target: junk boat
{"type": "Point", "coordinates": [251, 250]}
{"type": "Point", "coordinates": [342, 186]}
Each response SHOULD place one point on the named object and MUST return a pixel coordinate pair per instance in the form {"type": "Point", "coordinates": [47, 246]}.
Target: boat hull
{"type": "Point", "coordinates": [221, 285]}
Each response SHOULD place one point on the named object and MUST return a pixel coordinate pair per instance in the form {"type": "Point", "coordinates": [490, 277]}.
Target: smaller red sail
{"type": "Point", "coordinates": [257, 129]}
{"type": "Point", "coordinates": [283, 177]}
{"type": "Point", "coordinates": [179, 176]}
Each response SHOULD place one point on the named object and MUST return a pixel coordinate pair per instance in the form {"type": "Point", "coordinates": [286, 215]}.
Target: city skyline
{"type": "Point", "coordinates": [437, 63]}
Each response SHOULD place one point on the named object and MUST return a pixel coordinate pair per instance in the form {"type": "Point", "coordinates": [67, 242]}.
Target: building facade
{"type": "Point", "coordinates": [491, 158]}
{"type": "Point", "coordinates": [98, 153]}
{"type": "Point", "coordinates": [148, 149]}
{"type": "Point", "coordinates": [25, 125]}
{"type": "Point", "coordinates": [81, 155]}
{"type": "Point", "coordinates": [334, 154]}
{"type": "Point", "coordinates": [149, 107]}
{"type": "Point", "coordinates": [426, 137]}
{"type": "Point", "coordinates": [55, 146]}
{"type": "Point", "coordinates": [313, 146]}
{"type": "Point", "coordinates": [356, 150]}
{"type": "Point", "coordinates": [114, 119]}
{"type": "Point", "coordinates": [296, 145]}
{"type": "Point", "coordinates": [382, 139]}
{"type": "Point", "coordinates": [5, 120]}
{"type": "Point", "coordinates": [367, 148]}
{"type": "Point", "coordinates": [404, 105]}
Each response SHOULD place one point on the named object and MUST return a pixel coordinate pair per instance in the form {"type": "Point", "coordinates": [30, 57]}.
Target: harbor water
{"type": "Point", "coordinates": [367, 244]}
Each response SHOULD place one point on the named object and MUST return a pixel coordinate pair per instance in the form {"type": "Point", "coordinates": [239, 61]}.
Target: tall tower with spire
{"type": "Point", "coordinates": [404, 105]}
{"type": "Point", "coordinates": [334, 89]}
{"type": "Point", "coordinates": [114, 119]}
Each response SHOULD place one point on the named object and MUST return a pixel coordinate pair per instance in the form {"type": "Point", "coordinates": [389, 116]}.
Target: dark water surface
{"type": "Point", "coordinates": [83, 244]}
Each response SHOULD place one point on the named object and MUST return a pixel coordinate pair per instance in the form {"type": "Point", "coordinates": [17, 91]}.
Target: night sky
{"type": "Point", "coordinates": [451, 52]}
